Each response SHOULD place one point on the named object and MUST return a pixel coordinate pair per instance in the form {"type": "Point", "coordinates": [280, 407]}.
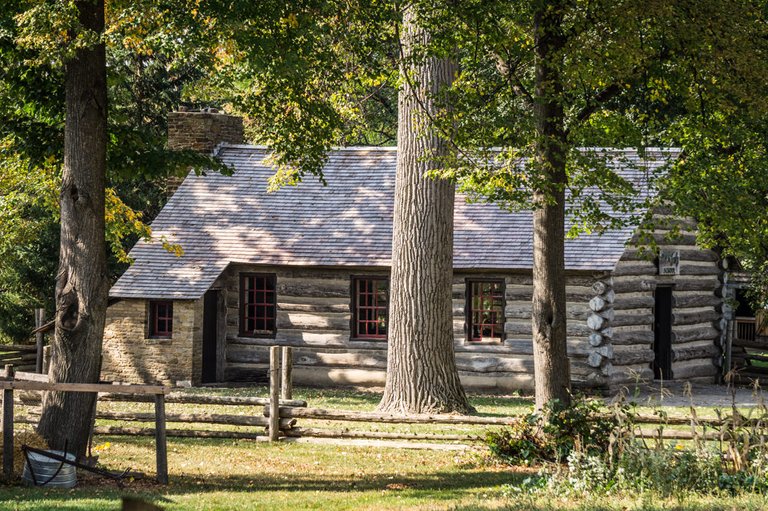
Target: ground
{"type": "Point", "coordinates": [244, 474]}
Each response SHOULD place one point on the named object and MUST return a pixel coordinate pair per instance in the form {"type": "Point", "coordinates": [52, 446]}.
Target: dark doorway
{"type": "Point", "coordinates": [662, 333]}
{"type": "Point", "coordinates": [210, 335]}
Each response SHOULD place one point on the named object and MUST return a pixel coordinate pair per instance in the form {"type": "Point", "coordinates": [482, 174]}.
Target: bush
{"type": "Point", "coordinates": [586, 426]}
{"type": "Point", "coordinates": [600, 453]}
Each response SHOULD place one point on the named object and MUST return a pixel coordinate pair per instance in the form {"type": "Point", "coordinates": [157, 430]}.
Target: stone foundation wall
{"type": "Point", "coordinates": [130, 357]}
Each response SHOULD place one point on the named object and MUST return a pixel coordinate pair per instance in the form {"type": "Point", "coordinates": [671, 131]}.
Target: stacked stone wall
{"type": "Point", "coordinates": [129, 356]}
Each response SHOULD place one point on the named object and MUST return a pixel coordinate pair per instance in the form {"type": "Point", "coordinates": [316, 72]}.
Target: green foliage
{"type": "Point", "coordinates": [597, 452]}
{"type": "Point", "coordinates": [585, 426]}
{"type": "Point", "coordinates": [154, 50]}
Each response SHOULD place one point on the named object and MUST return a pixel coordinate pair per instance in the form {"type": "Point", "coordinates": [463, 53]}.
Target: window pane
{"type": "Point", "coordinates": [486, 314]}
{"type": "Point", "coordinates": [371, 297]}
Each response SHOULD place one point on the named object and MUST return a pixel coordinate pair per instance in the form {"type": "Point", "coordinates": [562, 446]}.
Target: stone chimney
{"type": "Point", "coordinates": [200, 130]}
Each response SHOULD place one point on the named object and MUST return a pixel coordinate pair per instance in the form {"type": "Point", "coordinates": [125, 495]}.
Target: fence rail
{"type": "Point", "coordinates": [22, 357]}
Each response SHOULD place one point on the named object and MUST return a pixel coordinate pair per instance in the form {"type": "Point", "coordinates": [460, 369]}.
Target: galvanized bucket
{"type": "Point", "coordinates": [49, 472]}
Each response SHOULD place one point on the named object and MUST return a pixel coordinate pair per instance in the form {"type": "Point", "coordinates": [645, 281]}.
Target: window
{"type": "Point", "coordinates": [257, 305]}
{"type": "Point", "coordinates": [485, 310]}
{"type": "Point", "coordinates": [371, 298]}
{"type": "Point", "coordinates": [160, 319]}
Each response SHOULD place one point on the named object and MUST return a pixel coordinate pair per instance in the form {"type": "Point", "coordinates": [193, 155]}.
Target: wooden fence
{"type": "Point", "coordinates": [22, 357]}
{"type": "Point", "coordinates": [12, 382]}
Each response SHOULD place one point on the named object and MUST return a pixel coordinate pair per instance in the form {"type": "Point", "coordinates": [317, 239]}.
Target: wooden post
{"type": "Point", "coordinates": [161, 445]}
{"type": "Point", "coordinates": [274, 393]}
{"type": "Point", "coordinates": [286, 378]}
{"type": "Point", "coordinates": [39, 339]}
{"type": "Point", "coordinates": [46, 359]}
{"type": "Point", "coordinates": [8, 427]}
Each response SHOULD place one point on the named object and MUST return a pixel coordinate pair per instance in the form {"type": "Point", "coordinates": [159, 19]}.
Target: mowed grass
{"type": "Point", "coordinates": [224, 474]}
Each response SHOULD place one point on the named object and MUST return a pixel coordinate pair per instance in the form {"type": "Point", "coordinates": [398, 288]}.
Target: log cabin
{"type": "Point", "coordinates": [308, 267]}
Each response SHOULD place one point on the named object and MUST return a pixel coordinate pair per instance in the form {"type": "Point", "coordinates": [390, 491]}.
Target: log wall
{"type": "Point", "coordinates": [697, 302]}
{"type": "Point", "coordinates": [314, 317]}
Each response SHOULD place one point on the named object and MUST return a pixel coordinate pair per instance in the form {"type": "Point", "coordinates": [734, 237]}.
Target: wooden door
{"type": "Point", "coordinates": [662, 333]}
{"type": "Point", "coordinates": [210, 336]}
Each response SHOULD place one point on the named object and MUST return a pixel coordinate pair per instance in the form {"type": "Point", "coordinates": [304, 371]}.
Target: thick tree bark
{"type": "Point", "coordinates": [421, 366]}
{"type": "Point", "coordinates": [81, 283]}
{"type": "Point", "coordinates": [550, 358]}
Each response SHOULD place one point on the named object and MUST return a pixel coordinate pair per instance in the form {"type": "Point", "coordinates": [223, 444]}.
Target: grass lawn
{"type": "Point", "coordinates": [242, 474]}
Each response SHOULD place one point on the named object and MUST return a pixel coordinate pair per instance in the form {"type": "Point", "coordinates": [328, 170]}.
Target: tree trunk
{"type": "Point", "coordinates": [421, 366]}
{"type": "Point", "coordinates": [81, 283]}
{"type": "Point", "coordinates": [550, 358]}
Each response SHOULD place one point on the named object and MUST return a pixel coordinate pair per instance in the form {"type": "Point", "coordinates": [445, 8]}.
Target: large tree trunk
{"type": "Point", "coordinates": [81, 283]}
{"type": "Point", "coordinates": [550, 358]}
{"type": "Point", "coordinates": [421, 366]}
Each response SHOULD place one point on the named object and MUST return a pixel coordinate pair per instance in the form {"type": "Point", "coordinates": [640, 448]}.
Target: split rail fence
{"type": "Point", "coordinates": [279, 415]}
{"type": "Point", "coordinates": [12, 381]}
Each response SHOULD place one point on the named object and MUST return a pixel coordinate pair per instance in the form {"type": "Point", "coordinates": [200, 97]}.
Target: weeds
{"type": "Point", "coordinates": [597, 448]}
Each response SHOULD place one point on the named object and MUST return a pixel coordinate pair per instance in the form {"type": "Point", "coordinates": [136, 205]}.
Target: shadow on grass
{"type": "Point", "coordinates": [436, 486]}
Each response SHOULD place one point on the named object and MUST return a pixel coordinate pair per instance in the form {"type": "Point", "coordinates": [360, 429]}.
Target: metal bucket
{"type": "Point", "coordinates": [45, 470]}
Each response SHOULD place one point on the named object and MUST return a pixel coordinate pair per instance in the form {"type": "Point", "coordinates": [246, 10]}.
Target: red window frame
{"type": "Point", "coordinates": [485, 310]}
{"type": "Point", "coordinates": [160, 319]}
{"type": "Point", "coordinates": [371, 307]}
{"type": "Point", "coordinates": [258, 305]}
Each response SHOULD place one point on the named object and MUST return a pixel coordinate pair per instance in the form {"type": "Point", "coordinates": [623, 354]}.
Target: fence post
{"type": "Point", "coordinates": [286, 379]}
{"type": "Point", "coordinates": [161, 446]}
{"type": "Point", "coordinates": [8, 426]}
{"type": "Point", "coordinates": [274, 393]}
{"type": "Point", "coordinates": [46, 358]}
{"type": "Point", "coordinates": [39, 339]}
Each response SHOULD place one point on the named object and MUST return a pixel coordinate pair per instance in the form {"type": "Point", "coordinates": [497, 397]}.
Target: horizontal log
{"type": "Point", "coordinates": [84, 387]}
{"type": "Point", "coordinates": [676, 434]}
{"type": "Point", "coordinates": [685, 255]}
{"type": "Point", "coordinates": [633, 337]}
{"type": "Point", "coordinates": [635, 302]}
{"type": "Point", "coordinates": [22, 348]}
{"type": "Point", "coordinates": [624, 319]}
{"type": "Point", "coordinates": [178, 433]}
{"type": "Point", "coordinates": [694, 318]}
{"type": "Point", "coordinates": [346, 415]}
{"type": "Point", "coordinates": [624, 357]}
{"type": "Point", "coordinates": [704, 369]}
{"type": "Point", "coordinates": [694, 352]}
{"type": "Point", "coordinates": [349, 357]}
{"type": "Point", "coordinates": [22, 375]}
{"type": "Point", "coordinates": [635, 268]}
{"type": "Point", "coordinates": [192, 418]}
{"type": "Point", "coordinates": [699, 268]}
{"type": "Point", "coordinates": [358, 358]}
{"type": "Point", "coordinates": [302, 305]}
{"type": "Point", "coordinates": [683, 335]}
{"type": "Point", "coordinates": [577, 329]}
{"type": "Point", "coordinates": [485, 364]}
{"type": "Point", "coordinates": [697, 300]}
{"type": "Point", "coordinates": [333, 288]}
{"type": "Point", "coordinates": [380, 435]}
{"type": "Point", "coordinates": [691, 283]}
{"type": "Point", "coordinates": [200, 399]}
{"type": "Point", "coordinates": [313, 321]}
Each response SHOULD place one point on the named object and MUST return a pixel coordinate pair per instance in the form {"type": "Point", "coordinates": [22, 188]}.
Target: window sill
{"type": "Point", "coordinates": [158, 340]}
{"type": "Point", "coordinates": [258, 335]}
{"type": "Point", "coordinates": [491, 342]}
{"type": "Point", "coordinates": [368, 339]}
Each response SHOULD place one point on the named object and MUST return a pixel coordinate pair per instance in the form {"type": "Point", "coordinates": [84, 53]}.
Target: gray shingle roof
{"type": "Point", "coordinates": [224, 219]}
